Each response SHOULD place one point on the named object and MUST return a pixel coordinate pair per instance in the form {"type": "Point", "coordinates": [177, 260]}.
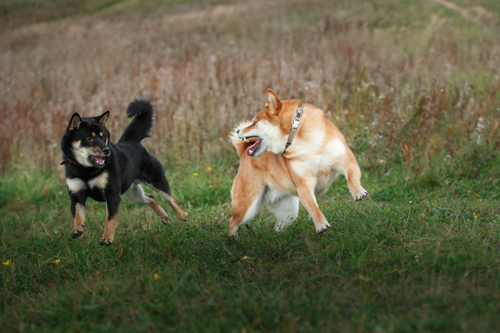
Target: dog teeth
{"type": "Point", "coordinates": [251, 151]}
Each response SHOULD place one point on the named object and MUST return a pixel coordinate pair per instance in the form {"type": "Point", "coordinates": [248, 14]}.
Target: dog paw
{"type": "Point", "coordinates": [164, 219]}
{"type": "Point", "coordinates": [233, 232]}
{"type": "Point", "coordinates": [77, 231]}
{"type": "Point", "coordinates": [322, 228]}
{"type": "Point", "coordinates": [183, 216]}
{"type": "Point", "coordinates": [360, 195]}
{"type": "Point", "coordinates": [106, 241]}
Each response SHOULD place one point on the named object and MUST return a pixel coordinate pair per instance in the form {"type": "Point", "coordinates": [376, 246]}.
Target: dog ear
{"type": "Point", "coordinates": [104, 118]}
{"type": "Point", "coordinates": [75, 122]}
{"type": "Point", "coordinates": [273, 103]}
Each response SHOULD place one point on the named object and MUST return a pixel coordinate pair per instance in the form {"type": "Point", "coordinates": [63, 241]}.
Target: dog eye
{"type": "Point", "coordinates": [90, 138]}
{"type": "Point", "coordinates": [254, 123]}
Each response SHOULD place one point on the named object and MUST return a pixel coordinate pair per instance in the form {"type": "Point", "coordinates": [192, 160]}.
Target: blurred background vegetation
{"type": "Point", "coordinates": [411, 84]}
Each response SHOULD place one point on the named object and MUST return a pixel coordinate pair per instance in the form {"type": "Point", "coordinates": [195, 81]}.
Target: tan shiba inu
{"type": "Point", "coordinates": [289, 153]}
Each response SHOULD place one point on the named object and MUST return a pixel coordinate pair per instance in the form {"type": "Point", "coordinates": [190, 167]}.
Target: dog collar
{"type": "Point", "coordinates": [70, 161]}
{"type": "Point", "coordinates": [295, 126]}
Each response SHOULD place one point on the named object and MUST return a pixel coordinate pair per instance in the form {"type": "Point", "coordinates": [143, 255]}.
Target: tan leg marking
{"type": "Point", "coordinates": [136, 194]}
{"type": "Point", "coordinates": [79, 220]}
{"type": "Point", "coordinates": [109, 228]}
{"type": "Point", "coordinates": [179, 213]}
{"type": "Point", "coordinates": [157, 208]}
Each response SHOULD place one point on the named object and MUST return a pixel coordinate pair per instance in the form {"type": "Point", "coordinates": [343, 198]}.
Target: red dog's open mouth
{"type": "Point", "coordinates": [253, 148]}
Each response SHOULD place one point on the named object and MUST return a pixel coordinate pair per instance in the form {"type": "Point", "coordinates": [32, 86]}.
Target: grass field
{"type": "Point", "coordinates": [413, 85]}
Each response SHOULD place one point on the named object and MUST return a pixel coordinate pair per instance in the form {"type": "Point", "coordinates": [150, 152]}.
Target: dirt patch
{"type": "Point", "coordinates": [476, 14]}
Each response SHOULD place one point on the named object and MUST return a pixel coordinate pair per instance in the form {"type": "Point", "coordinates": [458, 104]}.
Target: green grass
{"type": "Point", "coordinates": [412, 257]}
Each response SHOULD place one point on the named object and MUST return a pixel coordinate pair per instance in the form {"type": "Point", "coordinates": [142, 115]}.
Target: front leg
{"type": "Point", "coordinates": [112, 212]}
{"type": "Point", "coordinates": [305, 190]}
{"type": "Point", "coordinates": [78, 211]}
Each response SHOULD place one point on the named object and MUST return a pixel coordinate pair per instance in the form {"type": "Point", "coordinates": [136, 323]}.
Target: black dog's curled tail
{"type": "Point", "coordinates": [142, 125]}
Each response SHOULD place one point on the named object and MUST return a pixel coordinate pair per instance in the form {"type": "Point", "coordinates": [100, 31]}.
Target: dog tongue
{"type": "Point", "coordinates": [252, 147]}
{"type": "Point", "coordinates": [99, 160]}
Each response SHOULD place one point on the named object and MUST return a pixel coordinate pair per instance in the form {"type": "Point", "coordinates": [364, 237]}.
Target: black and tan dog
{"type": "Point", "coordinates": [102, 170]}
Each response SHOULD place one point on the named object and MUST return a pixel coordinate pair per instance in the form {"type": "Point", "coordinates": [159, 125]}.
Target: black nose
{"type": "Point", "coordinates": [106, 151]}
{"type": "Point", "coordinates": [238, 132]}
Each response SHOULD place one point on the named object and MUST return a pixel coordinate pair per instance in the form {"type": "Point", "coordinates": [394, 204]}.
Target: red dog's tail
{"type": "Point", "coordinates": [241, 146]}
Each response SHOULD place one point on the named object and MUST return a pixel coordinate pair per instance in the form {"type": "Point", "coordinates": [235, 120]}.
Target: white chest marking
{"type": "Point", "coordinates": [76, 185]}
{"type": "Point", "coordinates": [100, 181]}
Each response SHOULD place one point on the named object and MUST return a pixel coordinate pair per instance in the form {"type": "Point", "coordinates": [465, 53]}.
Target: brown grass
{"type": "Point", "coordinates": [393, 87]}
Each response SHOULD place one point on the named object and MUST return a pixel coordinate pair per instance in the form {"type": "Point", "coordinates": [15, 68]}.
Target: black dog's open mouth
{"type": "Point", "coordinates": [97, 161]}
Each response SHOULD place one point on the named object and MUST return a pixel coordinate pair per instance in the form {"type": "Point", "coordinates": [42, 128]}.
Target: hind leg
{"type": "Point", "coordinates": [155, 178]}
{"type": "Point", "coordinates": [136, 194]}
{"type": "Point", "coordinates": [353, 175]}
{"type": "Point", "coordinates": [246, 202]}
{"type": "Point", "coordinates": [179, 213]}
{"type": "Point", "coordinates": [286, 210]}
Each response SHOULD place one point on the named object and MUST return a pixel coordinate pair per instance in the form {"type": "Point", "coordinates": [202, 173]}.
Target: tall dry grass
{"type": "Point", "coordinates": [398, 90]}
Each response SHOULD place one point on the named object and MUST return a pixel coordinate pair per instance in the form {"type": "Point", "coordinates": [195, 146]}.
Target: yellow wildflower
{"type": "Point", "coordinates": [21, 154]}
{"type": "Point", "coordinates": [57, 261]}
{"type": "Point", "coordinates": [155, 277]}
{"type": "Point", "coordinates": [6, 263]}
{"type": "Point", "coordinates": [209, 168]}
{"type": "Point", "coordinates": [195, 174]}
{"type": "Point", "coordinates": [411, 201]}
